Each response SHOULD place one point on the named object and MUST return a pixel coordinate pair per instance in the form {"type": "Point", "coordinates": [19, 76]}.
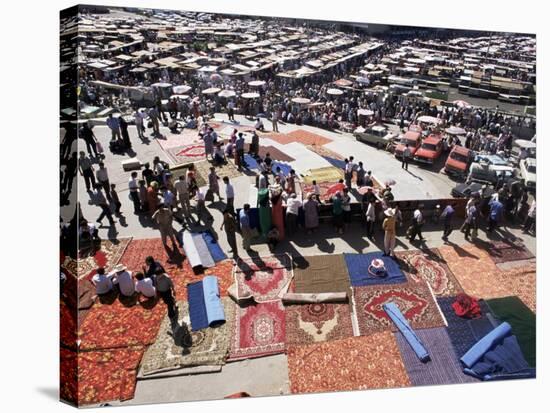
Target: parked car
{"type": "Point", "coordinates": [430, 149]}
{"type": "Point", "coordinates": [522, 149]}
{"type": "Point", "coordinates": [377, 135]}
{"type": "Point", "coordinates": [465, 190]}
{"type": "Point", "coordinates": [458, 162]}
{"type": "Point", "coordinates": [413, 139]}
{"type": "Point", "coordinates": [488, 173]}
{"type": "Point", "coordinates": [528, 172]}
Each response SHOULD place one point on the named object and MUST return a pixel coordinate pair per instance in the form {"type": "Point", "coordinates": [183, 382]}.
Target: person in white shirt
{"type": "Point", "coordinates": [418, 221]}
{"type": "Point", "coordinates": [371, 218]}
{"type": "Point", "coordinates": [103, 178]}
{"type": "Point", "coordinates": [182, 188]}
{"type": "Point", "coordinates": [144, 286]}
{"type": "Point", "coordinates": [102, 282]}
{"type": "Point", "coordinates": [229, 193]}
{"type": "Point", "coordinates": [124, 280]}
{"type": "Point", "coordinates": [293, 205]}
{"type": "Point", "coordinates": [138, 117]}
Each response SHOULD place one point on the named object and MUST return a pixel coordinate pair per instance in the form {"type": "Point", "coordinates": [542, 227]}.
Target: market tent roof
{"type": "Point", "coordinates": [335, 92]}
{"type": "Point", "coordinates": [227, 93]}
{"type": "Point", "coordinates": [250, 95]}
{"type": "Point", "coordinates": [429, 119]}
{"type": "Point", "coordinates": [365, 112]}
{"type": "Point", "coordinates": [211, 91]}
{"type": "Point", "coordinates": [256, 83]}
{"type": "Point", "coordinates": [455, 130]}
{"type": "Point", "coordinates": [301, 101]}
{"type": "Point", "coordinates": [181, 89]}
{"type": "Point", "coordinates": [343, 82]}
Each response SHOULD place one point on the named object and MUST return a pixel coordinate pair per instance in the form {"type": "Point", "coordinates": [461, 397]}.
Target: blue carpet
{"type": "Point", "coordinates": [251, 163]}
{"type": "Point", "coordinates": [463, 331]}
{"type": "Point", "coordinates": [214, 247]}
{"type": "Point", "coordinates": [197, 307]}
{"type": "Point", "coordinates": [285, 168]}
{"type": "Point", "coordinates": [335, 162]}
{"type": "Point", "coordinates": [358, 265]}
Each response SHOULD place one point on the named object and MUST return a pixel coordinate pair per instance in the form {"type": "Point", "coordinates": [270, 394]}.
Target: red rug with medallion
{"type": "Point", "coordinates": [413, 299]}
{"type": "Point", "coordinates": [259, 330]}
{"type": "Point", "coordinates": [429, 266]}
{"type": "Point", "coordinates": [312, 323]}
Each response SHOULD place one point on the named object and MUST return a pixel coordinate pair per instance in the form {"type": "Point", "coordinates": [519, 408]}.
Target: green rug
{"type": "Point", "coordinates": [523, 322]}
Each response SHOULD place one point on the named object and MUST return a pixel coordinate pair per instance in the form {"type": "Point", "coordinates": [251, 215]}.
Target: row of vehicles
{"type": "Point", "coordinates": [461, 162]}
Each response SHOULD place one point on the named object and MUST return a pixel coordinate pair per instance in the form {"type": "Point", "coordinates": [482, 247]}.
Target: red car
{"type": "Point", "coordinates": [430, 149]}
{"type": "Point", "coordinates": [458, 162]}
{"type": "Point", "coordinates": [413, 139]}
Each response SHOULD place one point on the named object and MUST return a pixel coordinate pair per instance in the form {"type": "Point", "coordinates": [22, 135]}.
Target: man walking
{"type": "Point", "coordinates": [213, 185]}
{"type": "Point", "coordinates": [229, 194]}
{"type": "Point", "coordinates": [389, 232]}
{"type": "Point", "coordinates": [87, 134]}
{"type": "Point", "coordinates": [182, 189]}
{"type": "Point", "coordinates": [417, 223]}
{"type": "Point", "coordinates": [239, 147]}
{"type": "Point", "coordinates": [495, 214]}
{"type": "Point", "coordinates": [275, 120]}
{"type": "Point", "coordinates": [114, 124]}
{"type": "Point", "coordinates": [133, 186]}
{"type": "Point", "coordinates": [138, 117]}
{"type": "Point", "coordinates": [101, 202]}
{"type": "Point", "coordinates": [230, 226]}
{"type": "Point", "coordinates": [163, 218]}
{"type": "Point", "coordinates": [103, 179]}
{"type": "Point", "coordinates": [86, 170]}
{"type": "Point", "coordinates": [406, 157]}
{"type": "Point", "coordinates": [447, 216]}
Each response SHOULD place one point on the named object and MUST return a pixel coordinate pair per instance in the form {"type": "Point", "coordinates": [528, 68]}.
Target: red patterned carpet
{"type": "Point", "coordinates": [325, 187]}
{"type": "Point", "coordinates": [107, 256]}
{"type": "Point", "coordinates": [429, 266]}
{"type": "Point", "coordinates": [259, 330]}
{"type": "Point", "coordinates": [355, 363]}
{"type": "Point", "coordinates": [187, 153]}
{"type": "Point", "coordinates": [312, 323]}
{"type": "Point", "coordinates": [263, 278]}
{"type": "Point", "coordinates": [522, 282]}
{"type": "Point", "coordinates": [507, 251]}
{"type": "Point", "coordinates": [67, 326]}
{"type": "Point", "coordinates": [102, 375]}
{"type": "Point", "coordinates": [413, 299]}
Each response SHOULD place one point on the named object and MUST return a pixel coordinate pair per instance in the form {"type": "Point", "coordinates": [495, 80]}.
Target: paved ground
{"type": "Point", "coordinates": [245, 375]}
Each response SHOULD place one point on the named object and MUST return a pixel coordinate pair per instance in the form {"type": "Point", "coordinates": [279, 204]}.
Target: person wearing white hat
{"type": "Point", "coordinates": [124, 280]}
{"type": "Point", "coordinates": [389, 231]}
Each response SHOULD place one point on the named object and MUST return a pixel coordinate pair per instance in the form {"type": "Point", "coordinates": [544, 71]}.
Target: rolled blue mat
{"type": "Point", "coordinates": [403, 325]}
{"type": "Point", "coordinates": [214, 307]}
{"type": "Point", "coordinates": [197, 307]}
{"type": "Point", "coordinates": [477, 351]}
{"type": "Point", "coordinates": [214, 247]}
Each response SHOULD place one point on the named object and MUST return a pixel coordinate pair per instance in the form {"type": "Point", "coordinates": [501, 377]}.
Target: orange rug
{"type": "Point", "coordinates": [521, 282]}
{"type": "Point", "coordinates": [99, 376]}
{"type": "Point", "coordinates": [300, 135]}
{"type": "Point", "coordinates": [355, 363]}
{"type": "Point", "coordinates": [475, 270]}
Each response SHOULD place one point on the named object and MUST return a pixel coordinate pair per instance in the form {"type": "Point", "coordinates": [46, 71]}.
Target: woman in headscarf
{"type": "Point", "coordinates": [277, 215]}
{"type": "Point", "coordinates": [152, 197]}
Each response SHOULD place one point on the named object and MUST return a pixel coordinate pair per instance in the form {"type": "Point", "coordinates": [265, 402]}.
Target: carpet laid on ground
{"type": "Point", "coordinates": [321, 274]}
{"type": "Point", "coordinates": [429, 266]}
{"type": "Point", "coordinates": [259, 330]}
{"type": "Point", "coordinates": [186, 153]}
{"type": "Point", "coordinates": [324, 174]}
{"type": "Point", "coordinates": [313, 323]}
{"type": "Point", "coordinates": [464, 332]}
{"type": "Point", "coordinates": [474, 269]}
{"type": "Point", "coordinates": [177, 347]}
{"type": "Point", "coordinates": [523, 322]}
{"type": "Point", "coordinates": [324, 188]}
{"type": "Point", "coordinates": [173, 140]}
{"type": "Point", "coordinates": [354, 363]}
{"type": "Point", "coordinates": [67, 326]}
{"type": "Point", "coordinates": [227, 169]}
{"type": "Point", "coordinates": [275, 153]}
{"type": "Point", "coordinates": [325, 152]}
{"type": "Point", "coordinates": [264, 278]}
{"type": "Point", "coordinates": [443, 366]}
{"type": "Point", "coordinates": [101, 376]}
{"type": "Point", "coordinates": [303, 136]}
{"type": "Point", "coordinates": [180, 170]}
{"type": "Point", "coordinates": [413, 299]}
{"type": "Point", "coordinates": [521, 282]}
{"type": "Point", "coordinates": [107, 256]}
{"type": "Point", "coordinates": [508, 251]}
{"type": "Point", "coordinates": [358, 269]}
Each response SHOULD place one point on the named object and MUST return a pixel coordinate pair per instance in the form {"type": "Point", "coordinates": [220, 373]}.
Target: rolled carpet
{"type": "Point", "coordinates": [214, 307]}
{"type": "Point", "coordinates": [202, 249]}
{"type": "Point", "coordinates": [497, 356]}
{"type": "Point", "coordinates": [214, 247]}
{"type": "Point", "coordinates": [191, 251]}
{"type": "Point", "coordinates": [197, 306]}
